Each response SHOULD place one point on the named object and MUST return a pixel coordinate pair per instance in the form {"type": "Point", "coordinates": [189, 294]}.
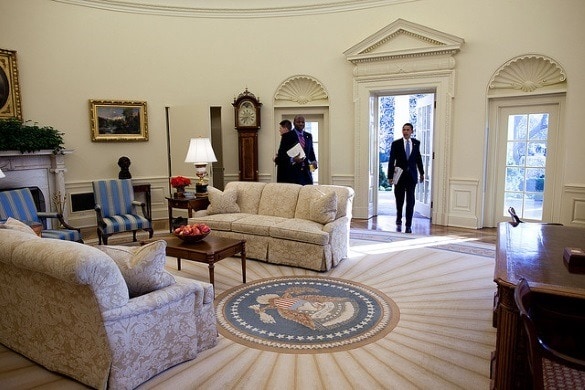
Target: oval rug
{"type": "Point", "coordinates": [305, 314]}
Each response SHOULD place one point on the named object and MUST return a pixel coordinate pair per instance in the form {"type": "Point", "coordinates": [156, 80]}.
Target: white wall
{"type": "Point", "coordinates": [68, 54]}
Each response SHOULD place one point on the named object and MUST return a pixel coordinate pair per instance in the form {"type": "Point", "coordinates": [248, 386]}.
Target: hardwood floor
{"type": "Point", "coordinates": [423, 226]}
{"type": "Point", "coordinates": [386, 221]}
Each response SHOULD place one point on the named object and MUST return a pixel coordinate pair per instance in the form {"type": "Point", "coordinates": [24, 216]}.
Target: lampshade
{"type": "Point", "coordinates": [2, 174]}
{"type": "Point", "coordinates": [200, 151]}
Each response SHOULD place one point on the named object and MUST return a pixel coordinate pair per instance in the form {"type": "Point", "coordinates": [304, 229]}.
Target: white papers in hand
{"type": "Point", "coordinates": [397, 173]}
{"type": "Point", "coordinates": [295, 151]}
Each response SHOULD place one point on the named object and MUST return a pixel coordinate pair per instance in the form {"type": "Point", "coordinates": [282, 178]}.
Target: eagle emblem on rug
{"type": "Point", "coordinates": [305, 306]}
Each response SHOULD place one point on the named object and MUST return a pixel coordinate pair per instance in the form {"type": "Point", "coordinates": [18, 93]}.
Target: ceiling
{"type": "Point", "coordinates": [232, 8]}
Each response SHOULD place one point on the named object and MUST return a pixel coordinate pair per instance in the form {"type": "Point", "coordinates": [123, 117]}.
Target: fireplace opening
{"type": "Point", "coordinates": [82, 202]}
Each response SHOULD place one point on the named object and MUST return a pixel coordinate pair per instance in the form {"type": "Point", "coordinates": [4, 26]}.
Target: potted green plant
{"type": "Point", "coordinates": [28, 137]}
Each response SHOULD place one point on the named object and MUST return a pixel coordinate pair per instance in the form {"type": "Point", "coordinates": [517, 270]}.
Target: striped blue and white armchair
{"type": "Point", "coordinates": [115, 209]}
{"type": "Point", "coordinates": [19, 204]}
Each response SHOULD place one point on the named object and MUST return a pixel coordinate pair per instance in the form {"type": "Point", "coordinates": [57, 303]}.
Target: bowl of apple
{"type": "Point", "coordinates": [192, 233]}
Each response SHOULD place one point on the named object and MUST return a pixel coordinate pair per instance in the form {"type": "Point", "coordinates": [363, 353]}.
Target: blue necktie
{"type": "Point", "coordinates": [302, 140]}
{"type": "Point", "coordinates": [407, 149]}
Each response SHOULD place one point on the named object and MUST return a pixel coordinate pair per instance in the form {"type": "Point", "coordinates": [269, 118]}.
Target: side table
{"type": "Point", "coordinates": [188, 203]}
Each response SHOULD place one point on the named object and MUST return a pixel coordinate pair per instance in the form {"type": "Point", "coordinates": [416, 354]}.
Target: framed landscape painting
{"type": "Point", "coordinates": [118, 120]}
{"type": "Point", "coordinates": [10, 105]}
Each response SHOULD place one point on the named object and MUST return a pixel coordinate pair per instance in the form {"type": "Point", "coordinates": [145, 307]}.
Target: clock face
{"type": "Point", "coordinates": [247, 114]}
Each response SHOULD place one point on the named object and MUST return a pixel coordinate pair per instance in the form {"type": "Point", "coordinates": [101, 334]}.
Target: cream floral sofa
{"type": "Point", "coordinates": [71, 308]}
{"type": "Point", "coordinates": [290, 224]}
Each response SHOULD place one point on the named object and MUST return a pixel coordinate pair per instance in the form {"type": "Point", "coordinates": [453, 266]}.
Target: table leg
{"type": "Point", "coordinates": [243, 256]}
{"type": "Point", "coordinates": [178, 263]}
{"type": "Point", "coordinates": [210, 260]}
{"type": "Point", "coordinates": [170, 218]}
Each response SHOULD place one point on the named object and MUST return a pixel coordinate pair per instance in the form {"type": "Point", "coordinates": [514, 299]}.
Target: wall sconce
{"type": "Point", "coordinates": [200, 153]}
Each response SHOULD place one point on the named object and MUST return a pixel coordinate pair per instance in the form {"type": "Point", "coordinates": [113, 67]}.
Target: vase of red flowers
{"type": "Point", "coordinates": [179, 183]}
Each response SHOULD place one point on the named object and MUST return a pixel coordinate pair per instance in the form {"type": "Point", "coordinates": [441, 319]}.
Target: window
{"type": "Point", "coordinates": [525, 164]}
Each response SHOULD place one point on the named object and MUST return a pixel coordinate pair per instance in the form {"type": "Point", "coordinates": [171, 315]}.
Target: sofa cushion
{"type": "Point", "coordinates": [324, 208]}
{"type": "Point", "coordinates": [218, 221]}
{"type": "Point", "coordinates": [300, 230]}
{"type": "Point", "coordinates": [222, 202]}
{"type": "Point", "coordinates": [310, 194]}
{"type": "Point", "coordinates": [249, 193]}
{"type": "Point", "coordinates": [258, 225]}
{"type": "Point", "coordinates": [15, 224]}
{"type": "Point", "coordinates": [142, 267]}
{"type": "Point", "coordinates": [279, 200]}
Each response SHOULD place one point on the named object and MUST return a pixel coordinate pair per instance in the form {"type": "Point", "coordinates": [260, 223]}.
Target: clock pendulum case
{"type": "Point", "coordinates": [247, 123]}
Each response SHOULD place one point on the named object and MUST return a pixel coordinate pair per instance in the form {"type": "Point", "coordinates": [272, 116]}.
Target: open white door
{"type": "Point", "coordinates": [424, 133]}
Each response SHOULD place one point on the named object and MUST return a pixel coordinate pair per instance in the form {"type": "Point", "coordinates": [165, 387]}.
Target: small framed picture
{"type": "Point", "coordinates": [10, 105]}
{"type": "Point", "coordinates": [118, 120]}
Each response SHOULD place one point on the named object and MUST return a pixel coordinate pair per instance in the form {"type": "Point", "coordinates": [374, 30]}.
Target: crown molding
{"type": "Point", "coordinates": [232, 8]}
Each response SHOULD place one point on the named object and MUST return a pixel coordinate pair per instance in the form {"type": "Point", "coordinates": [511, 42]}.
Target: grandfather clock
{"type": "Point", "coordinates": [247, 122]}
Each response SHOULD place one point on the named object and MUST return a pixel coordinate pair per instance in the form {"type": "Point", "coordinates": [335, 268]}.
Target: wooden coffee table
{"type": "Point", "coordinates": [209, 251]}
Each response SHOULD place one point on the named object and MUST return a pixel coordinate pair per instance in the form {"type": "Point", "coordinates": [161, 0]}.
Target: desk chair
{"type": "Point", "coordinates": [19, 204]}
{"type": "Point", "coordinates": [554, 342]}
{"type": "Point", "coordinates": [115, 209]}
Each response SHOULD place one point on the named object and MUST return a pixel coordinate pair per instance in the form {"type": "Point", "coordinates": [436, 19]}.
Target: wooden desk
{"type": "Point", "coordinates": [189, 204]}
{"type": "Point", "coordinates": [534, 252]}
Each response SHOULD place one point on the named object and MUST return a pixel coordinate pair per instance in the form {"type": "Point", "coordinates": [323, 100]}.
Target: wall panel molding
{"type": "Point", "coordinates": [573, 205]}
{"type": "Point", "coordinates": [463, 201]}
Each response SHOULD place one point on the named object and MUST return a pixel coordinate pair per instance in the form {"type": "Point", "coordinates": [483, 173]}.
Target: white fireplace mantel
{"type": "Point", "coordinates": [42, 169]}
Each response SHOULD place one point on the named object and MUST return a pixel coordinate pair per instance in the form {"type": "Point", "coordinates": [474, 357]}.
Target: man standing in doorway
{"type": "Point", "coordinates": [300, 164]}
{"type": "Point", "coordinates": [405, 154]}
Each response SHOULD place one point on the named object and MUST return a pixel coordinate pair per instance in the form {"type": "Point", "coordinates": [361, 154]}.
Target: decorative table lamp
{"type": "Point", "coordinates": [2, 174]}
{"type": "Point", "coordinates": [200, 153]}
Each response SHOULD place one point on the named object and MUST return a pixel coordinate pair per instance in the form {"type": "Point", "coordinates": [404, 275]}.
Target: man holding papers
{"type": "Point", "coordinates": [296, 147]}
{"type": "Point", "coordinates": [404, 161]}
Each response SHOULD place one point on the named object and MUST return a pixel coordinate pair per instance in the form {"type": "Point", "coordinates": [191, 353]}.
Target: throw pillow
{"type": "Point", "coordinates": [222, 202]}
{"type": "Point", "coordinates": [15, 224]}
{"type": "Point", "coordinates": [143, 267]}
{"type": "Point", "coordinates": [324, 208]}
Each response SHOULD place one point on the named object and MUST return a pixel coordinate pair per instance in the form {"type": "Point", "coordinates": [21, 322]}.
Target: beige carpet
{"type": "Point", "coordinates": [443, 339]}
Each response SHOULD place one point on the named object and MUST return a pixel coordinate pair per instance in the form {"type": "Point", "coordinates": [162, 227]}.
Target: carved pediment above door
{"type": "Point", "coordinates": [404, 47]}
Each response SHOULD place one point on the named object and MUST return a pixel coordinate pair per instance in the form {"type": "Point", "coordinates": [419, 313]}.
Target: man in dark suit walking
{"type": "Point", "coordinates": [300, 166]}
{"type": "Point", "coordinates": [405, 154]}
{"type": "Point", "coordinates": [282, 167]}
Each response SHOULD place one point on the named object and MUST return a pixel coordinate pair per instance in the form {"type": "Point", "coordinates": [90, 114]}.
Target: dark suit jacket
{"type": "Point", "coordinates": [398, 159]}
{"type": "Point", "coordinates": [297, 173]}
{"type": "Point", "coordinates": [282, 169]}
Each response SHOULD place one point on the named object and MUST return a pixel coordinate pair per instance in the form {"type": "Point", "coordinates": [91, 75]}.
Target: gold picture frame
{"type": "Point", "coordinates": [10, 105]}
{"type": "Point", "coordinates": [118, 120]}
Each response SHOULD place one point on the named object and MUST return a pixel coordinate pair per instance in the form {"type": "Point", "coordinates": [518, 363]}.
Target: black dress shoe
{"type": "Point", "coordinates": [408, 230]}
{"type": "Point", "coordinates": [399, 228]}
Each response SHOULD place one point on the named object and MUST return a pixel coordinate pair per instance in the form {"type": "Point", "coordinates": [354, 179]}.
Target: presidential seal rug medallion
{"type": "Point", "coordinates": [305, 314]}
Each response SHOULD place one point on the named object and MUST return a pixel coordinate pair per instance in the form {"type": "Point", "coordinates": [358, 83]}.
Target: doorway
{"type": "Point", "coordinates": [524, 139]}
{"type": "Point", "coordinates": [316, 123]}
{"type": "Point", "coordinates": [392, 112]}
